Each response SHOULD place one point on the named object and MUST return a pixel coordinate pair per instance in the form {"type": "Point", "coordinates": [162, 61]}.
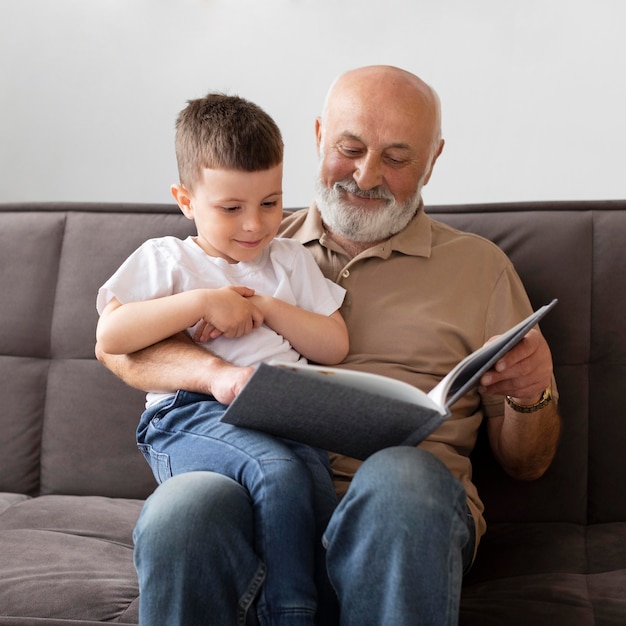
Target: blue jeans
{"type": "Point", "coordinates": [397, 546]}
{"type": "Point", "coordinates": [288, 485]}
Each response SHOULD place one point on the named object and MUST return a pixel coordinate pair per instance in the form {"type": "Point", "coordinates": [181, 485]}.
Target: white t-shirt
{"type": "Point", "coordinates": [285, 269]}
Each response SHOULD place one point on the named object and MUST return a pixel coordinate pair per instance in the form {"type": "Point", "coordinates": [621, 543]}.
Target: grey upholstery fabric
{"type": "Point", "coordinates": [72, 480]}
{"type": "Point", "coordinates": [68, 557]}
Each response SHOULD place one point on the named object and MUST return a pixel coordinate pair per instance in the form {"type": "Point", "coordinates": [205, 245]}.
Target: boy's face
{"type": "Point", "coordinates": [237, 213]}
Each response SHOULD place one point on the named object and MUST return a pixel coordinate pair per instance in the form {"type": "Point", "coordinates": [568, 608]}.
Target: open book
{"type": "Point", "coordinates": [357, 413]}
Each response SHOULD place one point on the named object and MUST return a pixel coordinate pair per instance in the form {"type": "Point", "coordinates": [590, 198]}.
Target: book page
{"type": "Point", "coordinates": [466, 374]}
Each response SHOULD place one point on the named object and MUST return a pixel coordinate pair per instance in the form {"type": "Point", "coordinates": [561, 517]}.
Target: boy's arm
{"type": "Point", "coordinates": [126, 328]}
{"type": "Point", "coordinates": [319, 338]}
{"type": "Point", "coordinates": [178, 363]}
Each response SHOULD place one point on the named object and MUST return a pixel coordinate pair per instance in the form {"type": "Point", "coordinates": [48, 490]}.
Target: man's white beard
{"type": "Point", "coordinates": [357, 223]}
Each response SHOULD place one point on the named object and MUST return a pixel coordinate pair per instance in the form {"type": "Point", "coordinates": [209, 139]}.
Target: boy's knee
{"type": "Point", "coordinates": [192, 501]}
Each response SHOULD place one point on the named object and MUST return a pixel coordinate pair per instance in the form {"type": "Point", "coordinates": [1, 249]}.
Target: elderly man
{"type": "Point", "coordinates": [420, 297]}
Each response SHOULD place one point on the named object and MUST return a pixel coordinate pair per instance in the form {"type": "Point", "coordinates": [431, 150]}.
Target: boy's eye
{"type": "Point", "coordinates": [269, 203]}
{"type": "Point", "coordinates": [230, 209]}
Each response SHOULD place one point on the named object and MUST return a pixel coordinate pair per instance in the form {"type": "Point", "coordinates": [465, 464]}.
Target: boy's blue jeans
{"type": "Point", "coordinates": [397, 546]}
{"type": "Point", "coordinates": [290, 488]}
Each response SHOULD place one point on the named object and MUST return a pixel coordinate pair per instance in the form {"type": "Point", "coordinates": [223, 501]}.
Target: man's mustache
{"type": "Point", "coordinates": [376, 193]}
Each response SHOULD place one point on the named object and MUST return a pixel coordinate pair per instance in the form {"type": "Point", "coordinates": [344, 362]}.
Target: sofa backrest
{"type": "Point", "coordinates": [68, 425]}
{"type": "Point", "coordinates": [572, 251]}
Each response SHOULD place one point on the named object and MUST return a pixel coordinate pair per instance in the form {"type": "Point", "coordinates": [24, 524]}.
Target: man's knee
{"type": "Point", "coordinates": [408, 481]}
{"type": "Point", "coordinates": [402, 467]}
{"type": "Point", "coordinates": [410, 489]}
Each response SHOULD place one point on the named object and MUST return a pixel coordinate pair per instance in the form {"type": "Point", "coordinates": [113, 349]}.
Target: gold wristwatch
{"type": "Point", "coordinates": [545, 399]}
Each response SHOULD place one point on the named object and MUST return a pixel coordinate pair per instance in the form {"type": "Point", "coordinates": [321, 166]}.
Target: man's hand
{"type": "Point", "coordinates": [524, 373]}
{"type": "Point", "coordinates": [178, 363]}
{"type": "Point", "coordinates": [523, 443]}
{"type": "Point", "coordinates": [228, 381]}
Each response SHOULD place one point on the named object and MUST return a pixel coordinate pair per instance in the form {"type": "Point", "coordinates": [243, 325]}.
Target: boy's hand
{"type": "Point", "coordinates": [228, 312]}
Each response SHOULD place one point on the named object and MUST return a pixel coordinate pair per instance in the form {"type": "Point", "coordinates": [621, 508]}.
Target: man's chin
{"type": "Point", "coordinates": [361, 231]}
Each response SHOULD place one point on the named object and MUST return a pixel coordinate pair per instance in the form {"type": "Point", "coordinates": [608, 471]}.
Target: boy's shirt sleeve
{"type": "Point", "coordinates": [144, 275]}
{"type": "Point", "coordinates": [311, 289]}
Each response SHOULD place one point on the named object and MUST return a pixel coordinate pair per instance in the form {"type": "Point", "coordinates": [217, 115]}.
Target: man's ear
{"type": "Point", "coordinates": [183, 199]}
{"type": "Point", "coordinates": [434, 160]}
{"type": "Point", "coordinates": [318, 133]}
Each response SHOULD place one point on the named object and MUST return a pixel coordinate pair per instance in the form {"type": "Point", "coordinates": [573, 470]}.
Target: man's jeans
{"type": "Point", "coordinates": [397, 546]}
{"type": "Point", "coordinates": [291, 493]}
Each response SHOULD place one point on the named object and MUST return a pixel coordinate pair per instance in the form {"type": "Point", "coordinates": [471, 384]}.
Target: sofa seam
{"type": "Point", "coordinates": [50, 356]}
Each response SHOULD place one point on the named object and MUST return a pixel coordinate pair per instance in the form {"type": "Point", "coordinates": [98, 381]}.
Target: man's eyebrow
{"type": "Point", "coordinates": [398, 146]}
{"type": "Point", "coordinates": [347, 135]}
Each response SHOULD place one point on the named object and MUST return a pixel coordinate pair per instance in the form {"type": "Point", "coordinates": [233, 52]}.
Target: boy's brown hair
{"type": "Point", "coordinates": [229, 132]}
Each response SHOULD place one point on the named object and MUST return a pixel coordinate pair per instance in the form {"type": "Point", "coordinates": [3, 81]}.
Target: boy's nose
{"type": "Point", "coordinates": [252, 221]}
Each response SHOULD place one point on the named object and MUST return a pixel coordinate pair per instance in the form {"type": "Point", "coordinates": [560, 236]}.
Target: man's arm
{"type": "Point", "coordinates": [524, 443]}
{"type": "Point", "coordinates": [178, 363]}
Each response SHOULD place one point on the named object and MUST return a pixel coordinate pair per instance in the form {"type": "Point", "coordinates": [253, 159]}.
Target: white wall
{"type": "Point", "coordinates": [533, 92]}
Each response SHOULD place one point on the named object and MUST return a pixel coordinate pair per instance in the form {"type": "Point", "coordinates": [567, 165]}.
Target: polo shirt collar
{"type": "Point", "coordinates": [414, 240]}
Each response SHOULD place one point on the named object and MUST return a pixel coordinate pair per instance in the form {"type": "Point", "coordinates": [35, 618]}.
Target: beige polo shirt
{"type": "Point", "coordinates": [415, 306]}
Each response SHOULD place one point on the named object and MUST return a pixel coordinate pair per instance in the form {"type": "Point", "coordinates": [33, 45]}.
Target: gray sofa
{"type": "Point", "coordinates": [72, 481]}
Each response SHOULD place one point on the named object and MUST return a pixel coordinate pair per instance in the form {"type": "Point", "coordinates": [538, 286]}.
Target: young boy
{"type": "Point", "coordinates": [248, 297]}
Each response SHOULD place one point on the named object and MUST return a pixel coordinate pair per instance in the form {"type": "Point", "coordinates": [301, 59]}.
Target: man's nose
{"type": "Point", "coordinates": [368, 173]}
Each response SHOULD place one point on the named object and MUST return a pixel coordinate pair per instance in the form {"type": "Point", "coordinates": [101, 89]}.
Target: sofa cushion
{"type": "Point", "coordinates": [548, 574]}
{"type": "Point", "coordinates": [87, 572]}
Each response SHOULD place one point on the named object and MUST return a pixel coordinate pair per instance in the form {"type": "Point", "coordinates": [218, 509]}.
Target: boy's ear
{"type": "Point", "coordinates": [183, 199]}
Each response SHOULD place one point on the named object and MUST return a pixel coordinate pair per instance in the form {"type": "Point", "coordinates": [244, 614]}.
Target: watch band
{"type": "Point", "coordinates": [546, 398]}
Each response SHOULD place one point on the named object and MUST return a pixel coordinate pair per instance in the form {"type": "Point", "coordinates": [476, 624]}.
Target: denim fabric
{"type": "Point", "coordinates": [194, 553]}
{"type": "Point", "coordinates": [289, 486]}
{"type": "Point", "coordinates": [398, 544]}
